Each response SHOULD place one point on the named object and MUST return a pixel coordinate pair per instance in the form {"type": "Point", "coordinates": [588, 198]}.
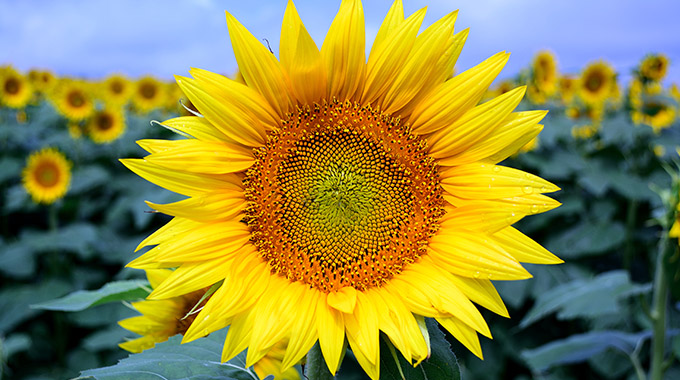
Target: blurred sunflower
{"type": "Point", "coordinates": [584, 132]}
{"type": "Point", "coordinates": [75, 130]}
{"type": "Point", "coordinates": [174, 97]}
{"type": "Point", "coordinates": [338, 197]}
{"type": "Point", "coordinates": [499, 89]}
{"type": "Point", "coordinates": [116, 89]}
{"type": "Point", "coordinates": [148, 94]}
{"type": "Point", "coordinates": [162, 319]}
{"type": "Point", "coordinates": [674, 91]}
{"type": "Point", "coordinates": [73, 99]}
{"type": "Point", "coordinates": [596, 82]}
{"type": "Point", "coordinates": [15, 89]}
{"type": "Point", "coordinates": [42, 80]}
{"type": "Point", "coordinates": [106, 125]}
{"type": "Point", "coordinates": [544, 72]}
{"type": "Point", "coordinates": [654, 67]}
{"type": "Point", "coordinates": [656, 113]}
{"type": "Point", "coordinates": [567, 88]}
{"type": "Point", "coordinates": [47, 175]}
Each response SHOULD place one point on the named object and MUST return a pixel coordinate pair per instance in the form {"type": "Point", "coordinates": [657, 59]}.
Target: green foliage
{"type": "Point", "coordinates": [113, 291]}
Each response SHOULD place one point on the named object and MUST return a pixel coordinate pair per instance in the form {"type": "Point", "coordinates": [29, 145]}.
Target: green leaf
{"type": "Point", "coordinates": [77, 237]}
{"type": "Point", "coordinates": [13, 344]}
{"type": "Point", "coordinates": [87, 178]}
{"type": "Point", "coordinates": [315, 366]}
{"type": "Point", "coordinates": [17, 260]}
{"type": "Point", "coordinates": [587, 239]}
{"type": "Point", "coordinates": [441, 365]}
{"type": "Point", "coordinates": [106, 339]}
{"type": "Point", "coordinates": [10, 168]}
{"type": "Point", "coordinates": [169, 360]}
{"type": "Point", "coordinates": [585, 297]}
{"type": "Point", "coordinates": [82, 299]}
{"type": "Point", "coordinates": [581, 347]}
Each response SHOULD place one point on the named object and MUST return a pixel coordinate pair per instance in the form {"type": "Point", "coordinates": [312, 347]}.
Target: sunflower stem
{"type": "Point", "coordinates": [660, 296]}
{"type": "Point", "coordinates": [316, 368]}
{"type": "Point", "coordinates": [629, 251]}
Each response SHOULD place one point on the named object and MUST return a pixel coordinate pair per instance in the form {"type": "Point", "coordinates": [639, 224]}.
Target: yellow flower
{"type": "Point", "coordinates": [73, 99]}
{"type": "Point", "coordinates": [116, 89]}
{"type": "Point", "coordinates": [584, 132]}
{"type": "Point", "coordinates": [657, 114]}
{"type": "Point", "coordinates": [47, 175]}
{"type": "Point", "coordinates": [106, 125]}
{"type": "Point", "coordinates": [536, 95]}
{"type": "Point", "coordinates": [544, 72]}
{"type": "Point", "coordinates": [567, 88]}
{"type": "Point", "coordinates": [42, 80]}
{"type": "Point", "coordinates": [654, 67]}
{"type": "Point", "coordinates": [75, 130]}
{"type": "Point", "coordinates": [148, 95]}
{"type": "Point", "coordinates": [162, 319]}
{"type": "Point", "coordinates": [675, 92]}
{"type": "Point", "coordinates": [339, 197]}
{"type": "Point", "coordinates": [15, 89]}
{"type": "Point", "coordinates": [597, 82]}
{"type": "Point", "coordinates": [659, 150]}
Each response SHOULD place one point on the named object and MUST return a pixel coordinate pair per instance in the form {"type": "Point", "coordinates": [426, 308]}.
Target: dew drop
{"type": "Point", "coordinates": [544, 189]}
{"type": "Point", "coordinates": [528, 189]}
{"type": "Point", "coordinates": [477, 274]}
{"type": "Point", "coordinates": [497, 169]}
{"type": "Point", "coordinates": [534, 209]}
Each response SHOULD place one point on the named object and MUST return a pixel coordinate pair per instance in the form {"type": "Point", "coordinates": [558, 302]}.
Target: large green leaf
{"type": "Point", "coordinates": [441, 365]}
{"type": "Point", "coordinates": [585, 297]}
{"type": "Point", "coordinates": [171, 360]}
{"type": "Point", "coordinates": [128, 290]}
{"type": "Point", "coordinates": [581, 347]}
{"type": "Point", "coordinates": [587, 239]}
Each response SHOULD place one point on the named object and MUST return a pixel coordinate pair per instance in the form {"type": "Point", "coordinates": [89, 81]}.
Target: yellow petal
{"type": "Point", "coordinates": [393, 19]}
{"type": "Point", "coordinates": [524, 205]}
{"type": "Point", "coordinates": [157, 276]}
{"type": "Point", "coordinates": [384, 61]}
{"type": "Point", "coordinates": [208, 207]}
{"type": "Point", "coordinates": [301, 58]}
{"type": "Point", "coordinates": [190, 277]}
{"type": "Point", "coordinates": [362, 334]}
{"type": "Point", "coordinates": [463, 334]}
{"type": "Point", "coordinates": [523, 248]}
{"type": "Point", "coordinates": [331, 329]}
{"type": "Point", "coordinates": [344, 299]}
{"type": "Point", "coordinates": [190, 184]}
{"type": "Point", "coordinates": [474, 255]}
{"type": "Point", "coordinates": [203, 157]}
{"type": "Point", "coordinates": [238, 95]}
{"type": "Point", "coordinates": [344, 52]}
{"type": "Point", "coordinates": [486, 181]}
{"type": "Point", "coordinates": [303, 333]}
{"type": "Point", "coordinates": [512, 133]}
{"type": "Point", "coordinates": [474, 125]}
{"type": "Point", "coordinates": [168, 231]}
{"type": "Point", "coordinates": [421, 68]}
{"type": "Point", "coordinates": [481, 292]}
{"type": "Point", "coordinates": [259, 67]}
{"type": "Point", "coordinates": [451, 100]}
{"type": "Point", "coordinates": [479, 216]}
{"type": "Point", "coordinates": [239, 334]}
{"type": "Point", "coordinates": [235, 122]}
{"type": "Point", "coordinates": [196, 127]}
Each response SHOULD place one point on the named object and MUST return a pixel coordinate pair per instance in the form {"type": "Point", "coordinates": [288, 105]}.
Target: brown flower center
{"type": "Point", "coordinates": [76, 99]}
{"type": "Point", "coordinates": [342, 195]}
{"type": "Point", "coordinates": [148, 90]}
{"type": "Point", "coordinates": [47, 174]}
{"type": "Point", "coordinates": [12, 86]}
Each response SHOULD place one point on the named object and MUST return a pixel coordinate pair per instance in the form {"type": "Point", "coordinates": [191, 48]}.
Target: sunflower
{"type": "Point", "coordinates": [656, 113]}
{"type": "Point", "coordinates": [674, 91]}
{"type": "Point", "coordinates": [106, 125]}
{"type": "Point", "coordinates": [544, 72]}
{"type": "Point", "coordinates": [162, 319]}
{"type": "Point", "coordinates": [597, 81]}
{"type": "Point", "coordinates": [654, 67]}
{"type": "Point", "coordinates": [567, 88]}
{"type": "Point", "coordinates": [73, 99]}
{"type": "Point", "coordinates": [75, 130]}
{"type": "Point", "coordinates": [337, 197]}
{"type": "Point", "coordinates": [148, 94]}
{"type": "Point", "coordinates": [47, 175]}
{"type": "Point", "coordinates": [584, 132]}
{"type": "Point", "coordinates": [116, 89]}
{"type": "Point", "coordinates": [15, 89]}
{"type": "Point", "coordinates": [42, 80]}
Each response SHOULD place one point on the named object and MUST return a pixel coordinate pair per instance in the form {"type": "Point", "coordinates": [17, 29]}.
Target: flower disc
{"type": "Point", "coordinates": [342, 196]}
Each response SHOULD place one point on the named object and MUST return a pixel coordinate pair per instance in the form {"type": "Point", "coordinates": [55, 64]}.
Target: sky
{"type": "Point", "coordinates": [95, 38]}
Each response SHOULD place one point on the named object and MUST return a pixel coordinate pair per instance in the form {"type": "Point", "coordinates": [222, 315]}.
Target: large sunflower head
{"type": "Point", "coordinates": [337, 197]}
{"type": "Point", "coordinates": [15, 89]}
{"type": "Point", "coordinates": [596, 82]}
{"type": "Point", "coordinates": [544, 72]}
{"type": "Point", "coordinates": [654, 67]}
{"type": "Point", "coordinates": [47, 175]}
{"type": "Point", "coordinates": [149, 94]}
{"type": "Point", "coordinates": [106, 125]}
{"type": "Point", "coordinates": [116, 89]}
{"type": "Point", "coordinates": [73, 99]}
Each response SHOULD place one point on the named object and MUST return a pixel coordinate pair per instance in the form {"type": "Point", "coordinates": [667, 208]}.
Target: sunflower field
{"type": "Point", "coordinates": [331, 214]}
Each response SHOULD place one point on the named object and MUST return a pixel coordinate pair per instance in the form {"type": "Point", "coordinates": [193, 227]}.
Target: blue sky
{"type": "Point", "coordinates": [135, 37]}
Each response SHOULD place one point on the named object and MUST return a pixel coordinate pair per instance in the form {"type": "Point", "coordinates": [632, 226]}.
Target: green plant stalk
{"type": "Point", "coordinates": [629, 251]}
{"type": "Point", "coordinates": [660, 298]}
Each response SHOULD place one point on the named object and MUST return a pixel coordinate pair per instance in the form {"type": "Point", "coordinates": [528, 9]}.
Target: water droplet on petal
{"type": "Point", "coordinates": [497, 169]}
{"type": "Point", "coordinates": [477, 274]}
{"type": "Point", "coordinates": [528, 189]}
{"type": "Point", "coordinates": [534, 209]}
